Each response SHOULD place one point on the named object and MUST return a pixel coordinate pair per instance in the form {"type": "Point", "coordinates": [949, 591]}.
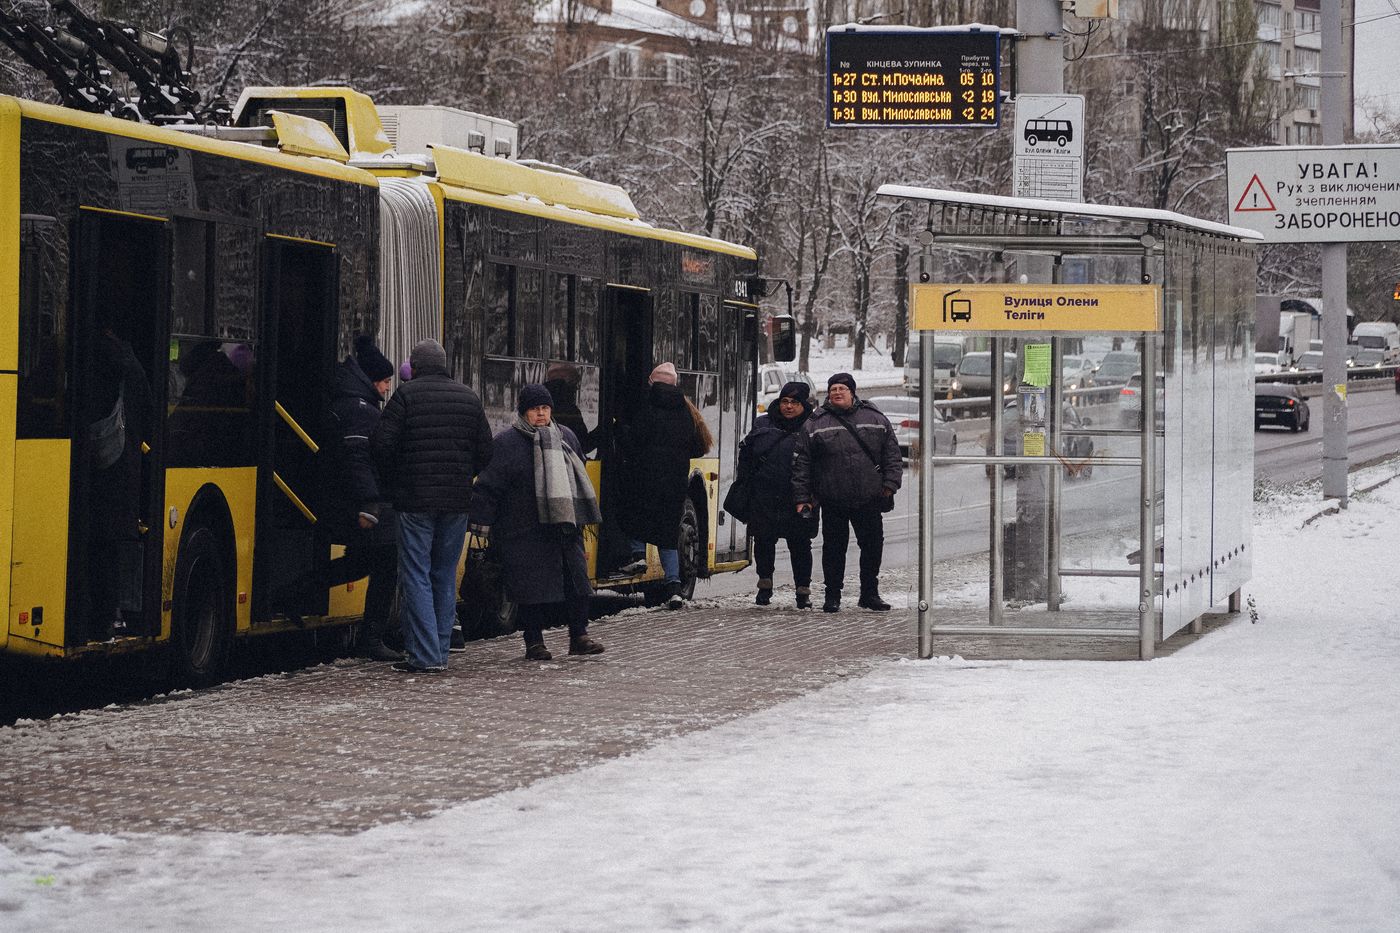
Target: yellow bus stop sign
{"type": "Point", "coordinates": [1036, 308]}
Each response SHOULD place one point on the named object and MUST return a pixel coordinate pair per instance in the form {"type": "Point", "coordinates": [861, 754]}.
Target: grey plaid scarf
{"type": "Point", "coordinates": [563, 494]}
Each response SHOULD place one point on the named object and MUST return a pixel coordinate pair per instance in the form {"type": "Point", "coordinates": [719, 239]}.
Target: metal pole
{"type": "Point", "coordinates": [1057, 475]}
{"type": "Point", "coordinates": [1147, 517]}
{"type": "Point", "coordinates": [995, 564]}
{"type": "Point", "coordinates": [1334, 274]}
{"type": "Point", "coordinates": [926, 452]}
{"type": "Point", "coordinates": [1040, 62]}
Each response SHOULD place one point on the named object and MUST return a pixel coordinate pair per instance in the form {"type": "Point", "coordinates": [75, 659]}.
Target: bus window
{"type": "Point", "coordinates": [708, 338]}
{"type": "Point", "coordinates": [687, 321]}
{"type": "Point", "coordinates": [559, 318]}
{"type": "Point", "coordinates": [43, 323]}
{"type": "Point", "coordinates": [663, 327]}
{"type": "Point", "coordinates": [527, 314]}
{"type": "Point", "coordinates": [514, 236]}
{"type": "Point", "coordinates": [586, 298]}
{"type": "Point", "coordinates": [499, 321]}
{"type": "Point", "coordinates": [212, 353]}
{"type": "Point", "coordinates": [190, 285]}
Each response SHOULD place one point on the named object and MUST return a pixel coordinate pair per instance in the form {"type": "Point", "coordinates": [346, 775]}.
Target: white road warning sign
{"type": "Point", "coordinates": [1312, 194]}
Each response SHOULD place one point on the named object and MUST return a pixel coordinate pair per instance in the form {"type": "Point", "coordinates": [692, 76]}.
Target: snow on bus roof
{"type": "Point", "coordinates": [1046, 206]}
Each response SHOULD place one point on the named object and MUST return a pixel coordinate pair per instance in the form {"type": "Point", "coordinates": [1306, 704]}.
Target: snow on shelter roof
{"type": "Point", "coordinates": [997, 202]}
{"type": "Point", "coordinates": [966, 27]}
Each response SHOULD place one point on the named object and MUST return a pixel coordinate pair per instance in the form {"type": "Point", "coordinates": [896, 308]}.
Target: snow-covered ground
{"type": "Point", "coordinates": [1250, 781]}
{"type": "Point", "coordinates": [876, 370]}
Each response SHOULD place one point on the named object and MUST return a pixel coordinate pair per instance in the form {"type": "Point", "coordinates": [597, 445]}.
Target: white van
{"type": "Point", "coordinates": [1379, 335]}
{"type": "Point", "coordinates": [771, 379]}
{"type": "Point", "coordinates": [947, 353]}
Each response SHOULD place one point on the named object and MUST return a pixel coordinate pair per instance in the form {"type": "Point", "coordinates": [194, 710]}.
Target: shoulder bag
{"type": "Point", "coordinates": [886, 502]}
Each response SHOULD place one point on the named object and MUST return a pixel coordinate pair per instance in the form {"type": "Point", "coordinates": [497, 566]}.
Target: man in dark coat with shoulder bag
{"type": "Point", "coordinates": [848, 460]}
{"type": "Point", "coordinates": [765, 465]}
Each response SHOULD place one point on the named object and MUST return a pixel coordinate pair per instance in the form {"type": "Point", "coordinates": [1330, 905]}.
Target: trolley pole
{"type": "Point", "coordinates": [1334, 275]}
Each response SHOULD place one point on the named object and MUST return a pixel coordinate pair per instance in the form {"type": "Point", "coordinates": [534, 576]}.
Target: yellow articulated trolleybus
{"type": "Point", "coordinates": [174, 302]}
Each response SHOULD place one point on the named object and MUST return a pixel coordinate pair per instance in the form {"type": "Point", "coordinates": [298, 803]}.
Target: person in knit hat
{"type": "Point", "coordinates": [765, 467]}
{"type": "Point", "coordinates": [534, 500]}
{"type": "Point", "coordinates": [430, 444]}
{"type": "Point", "coordinates": [658, 445]}
{"type": "Point", "coordinates": [665, 373]}
{"type": "Point", "coordinates": [847, 459]}
{"type": "Point", "coordinates": [359, 515]}
{"type": "Point", "coordinates": [374, 364]}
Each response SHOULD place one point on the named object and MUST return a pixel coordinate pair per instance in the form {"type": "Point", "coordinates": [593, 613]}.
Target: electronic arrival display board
{"type": "Point", "coordinates": [913, 77]}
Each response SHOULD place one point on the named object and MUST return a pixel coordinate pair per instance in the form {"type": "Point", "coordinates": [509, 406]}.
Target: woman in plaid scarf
{"type": "Point", "coordinates": [533, 501]}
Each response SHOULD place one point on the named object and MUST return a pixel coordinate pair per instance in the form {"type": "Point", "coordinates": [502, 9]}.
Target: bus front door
{"type": "Point", "coordinates": [738, 376]}
{"type": "Point", "coordinates": [300, 313]}
{"type": "Point", "coordinates": [115, 538]}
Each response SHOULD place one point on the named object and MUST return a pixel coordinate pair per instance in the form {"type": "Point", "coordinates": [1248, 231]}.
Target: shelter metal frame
{"type": "Point", "coordinates": [966, 221]}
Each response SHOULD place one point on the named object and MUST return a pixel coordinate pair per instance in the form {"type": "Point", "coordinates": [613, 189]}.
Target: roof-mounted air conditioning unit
{"type": "Point", "coordinates": [414, 128]}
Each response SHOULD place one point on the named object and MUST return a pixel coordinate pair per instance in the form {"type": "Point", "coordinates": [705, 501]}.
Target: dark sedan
{"type": "Point", "coordinates": [1281, 405]}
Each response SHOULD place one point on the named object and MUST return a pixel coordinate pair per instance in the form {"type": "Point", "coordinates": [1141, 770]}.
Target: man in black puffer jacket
{"type": "Point", "coordinates": [854, 480]}
{"type": "Point", "coordinates": [430, 444]}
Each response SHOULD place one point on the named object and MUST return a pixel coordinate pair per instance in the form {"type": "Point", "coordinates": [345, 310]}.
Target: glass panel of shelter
{"type": "Point", "coordinates": [1069, 511]}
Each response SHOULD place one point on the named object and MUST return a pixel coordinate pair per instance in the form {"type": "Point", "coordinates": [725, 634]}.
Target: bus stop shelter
{"type": "Point", "coordinates": [1098, 514]}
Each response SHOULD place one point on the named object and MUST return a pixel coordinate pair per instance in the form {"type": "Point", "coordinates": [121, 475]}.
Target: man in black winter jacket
{"type": "Point", "coordinates": [848, 460]}
{"type": "Point", "coordinates": [360, 517]}
{"type": "Point", "coordinates": [430, 444]}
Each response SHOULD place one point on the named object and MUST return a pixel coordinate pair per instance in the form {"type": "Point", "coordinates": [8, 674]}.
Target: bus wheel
{"type": "Point", "coordinates": [1062, 141]}
{"type": "Point", "coordinates": [200, 614]}
{"type": "Point", "coordinates": [689, 550]}
{"type": "Point", "coordinates": [1032, 139]}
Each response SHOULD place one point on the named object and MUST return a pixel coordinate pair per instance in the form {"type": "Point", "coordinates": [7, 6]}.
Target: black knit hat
{"type": "Point", "coordinates": [798, 391]}
{"type": "Point", "coordinates": [374, 364]}
{"type": "Point", "coordinates": [533, 395]}
{"type": "Point", "coordinates": [845, 379]}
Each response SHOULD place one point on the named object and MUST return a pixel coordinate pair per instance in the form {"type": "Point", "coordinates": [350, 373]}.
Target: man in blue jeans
{"type": "Point", "coordinates": [430, 444]}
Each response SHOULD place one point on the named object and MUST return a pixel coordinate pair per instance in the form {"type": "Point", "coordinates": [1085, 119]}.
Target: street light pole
{"type": "Point", "coordinates": [1334, 274]}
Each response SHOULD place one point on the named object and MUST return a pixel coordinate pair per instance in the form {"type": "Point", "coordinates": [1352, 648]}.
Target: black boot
{"type": "Point", "coordinates": [833, 601]}
{"type": "Point", "coordinates": [804, 597]}
{"type": "Point", "coordinates": [870, 599]}
{"type": "Point", "coordinates": [372, 647]}
{"type": "Point", "coordinates": [765, 593]}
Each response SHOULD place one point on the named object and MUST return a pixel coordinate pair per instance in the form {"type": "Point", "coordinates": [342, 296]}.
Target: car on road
{"type": "Point", "coordinates": [1369, 357]}
{"type": "Point", "coordinates": [1076, 451]}
{"type": "Point", "coordinates": [1076, 372]}
{"type": "Point", "coordinates": [1116, 366]}
{"type": "Point", "coordinates": [1266, 364]}
{"type": "Point", "coordinates": [974, 374]}
{"type": "Point", "coordinates": [1130, 400]}
{"type": "Point", "coordinates": [947, 351]}
{"type": "Point", "coordinates": [771, 379]}
{"type": "Point", "coordinates": [1279, 405]}
{"type": "Point", "coordinates": [1310, 361]}
{"type": "Point", "coordinates": [903, 413]}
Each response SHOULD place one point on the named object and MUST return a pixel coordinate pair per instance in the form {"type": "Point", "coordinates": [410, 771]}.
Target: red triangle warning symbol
{"type": "Point", "coordinates": [1255, 198]}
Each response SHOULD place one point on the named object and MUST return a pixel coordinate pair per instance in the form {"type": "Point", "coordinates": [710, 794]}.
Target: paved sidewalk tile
{"type": "Point", "coordinates": [342, 747]}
